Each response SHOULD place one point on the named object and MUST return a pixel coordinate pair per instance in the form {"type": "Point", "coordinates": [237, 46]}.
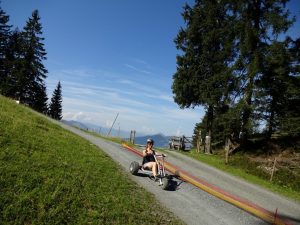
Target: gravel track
{"type": "Point", "coordinates": [191, 204]}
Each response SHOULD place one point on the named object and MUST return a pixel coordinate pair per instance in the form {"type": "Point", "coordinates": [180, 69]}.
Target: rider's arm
{"type": "Point", "coordinates": [160, 154]}
{"type": "Point", "coordinates": [144, 153]}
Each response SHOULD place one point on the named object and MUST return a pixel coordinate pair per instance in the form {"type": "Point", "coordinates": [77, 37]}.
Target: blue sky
{"type": "Point", "coordinates": [115, 57]}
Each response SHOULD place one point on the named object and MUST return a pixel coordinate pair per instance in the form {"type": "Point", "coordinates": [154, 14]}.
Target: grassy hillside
{"type": "Point", "coordinates": [50, 176]}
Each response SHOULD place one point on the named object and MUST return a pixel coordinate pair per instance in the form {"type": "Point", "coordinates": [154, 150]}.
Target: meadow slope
{"type": "Point", "coordinates": [50, 176]}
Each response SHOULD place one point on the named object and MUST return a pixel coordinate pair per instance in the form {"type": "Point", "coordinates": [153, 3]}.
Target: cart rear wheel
{"type": "Point", "coordinates": [166, 183]}
{"type": "Point", "coordinates": [134, 168]}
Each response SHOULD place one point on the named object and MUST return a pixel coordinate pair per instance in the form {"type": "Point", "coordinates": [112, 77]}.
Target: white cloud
{"type": "Point", "coordinates": [108, 123]}
{"type": "Point", "coordinates": [148, 130]}
{"type": "Point", "coordinates": [140, 61]}
{"type": "Point", "coordinates": [160, 97]}
{"type": "Point", "coordinates": [126, 82]}
{"type": "Point", "coordinates": [143, 108]}
{"type": "Point", "coordinates": [147, 91]}
{"type": "Point", "coordinates": [101, 95]}
{"type": "Point", "coordinates": [79, 73]}
{"type": "Point", "coordinates": [178, 132]}
{"type": "Point", "coordinates": [78, 116]}
{"type": "Point", "coordinates": [137, 69]}
{"type": "Point", "coordinates": [168, 120]}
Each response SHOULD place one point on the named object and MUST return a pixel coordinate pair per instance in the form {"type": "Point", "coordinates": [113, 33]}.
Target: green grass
{"type": "Point", "coordinates": [51, 176]}
{"type": "Point", "coordinates": [240, 166]}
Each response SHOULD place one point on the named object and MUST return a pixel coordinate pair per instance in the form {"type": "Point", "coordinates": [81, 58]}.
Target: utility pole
{"type": "Point", "coordinates": [132, 136]}
{"type": "Point", "coordinates": [133, 140]}
{"type": "Point", "coordinates": [112, 125]}
{"type": "Point", "coordinates": [130, 139]}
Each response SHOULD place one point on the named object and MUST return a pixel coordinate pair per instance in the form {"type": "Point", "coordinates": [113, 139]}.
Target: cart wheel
{"type": "Point", "coordinates": [165, 184]}
{"type": "Point", "coordinates": [134, 168]}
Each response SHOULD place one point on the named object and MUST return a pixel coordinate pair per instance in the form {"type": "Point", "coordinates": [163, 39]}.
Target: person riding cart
{"type": "Point", "coordinates": [153, 162]}
{"type": "Point", "coordinates": [148, 158]}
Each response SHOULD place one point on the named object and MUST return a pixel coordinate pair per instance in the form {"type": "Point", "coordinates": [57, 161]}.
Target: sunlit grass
{"type": "Point", "coordinates": [49, 175]}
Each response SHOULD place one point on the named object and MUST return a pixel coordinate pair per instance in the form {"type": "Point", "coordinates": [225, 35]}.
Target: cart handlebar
{"type": "Point", "coordinates": [160, 155]}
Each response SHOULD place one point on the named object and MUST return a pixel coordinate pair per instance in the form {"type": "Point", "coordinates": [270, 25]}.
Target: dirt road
{"type": "Point", "coordinates": [190, 203]}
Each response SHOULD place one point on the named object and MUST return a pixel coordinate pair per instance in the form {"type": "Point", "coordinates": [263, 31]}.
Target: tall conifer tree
{"type": "Point", "coordinates": [40, 98]}
{"type": "Point", "coordinates": [4, 38]}
{"type": "Point", "coordinates": [13, 63]}
{"type": "Point", "coordinates": [202, 76]}
{"type": "Point", "coordinates": [55, 107]}
{"type": "Point", "coordinates": [34, 71]}
{"type": "Point", "coordinates": [289, 122]}
{"type": "Point", "coordinates": [229, 49]}
{"type": "Point", "coordinates": [257, 24]}
{"type": "Point", "coordinates": [273, 85]}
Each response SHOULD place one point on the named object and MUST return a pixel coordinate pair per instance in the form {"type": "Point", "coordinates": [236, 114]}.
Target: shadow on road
{"type": "Point", "coordinates": [142, 175]}
{"type": "Point", "coordinates": [173, 184]}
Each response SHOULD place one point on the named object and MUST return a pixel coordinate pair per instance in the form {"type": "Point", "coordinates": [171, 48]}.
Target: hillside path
{"type": "Point", "coordinates": [191, 204]}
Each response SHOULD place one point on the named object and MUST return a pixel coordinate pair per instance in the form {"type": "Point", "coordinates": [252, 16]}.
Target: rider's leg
{"type": "Point", "coordinates": [154, 169]}
{"type": "Point", "coordinates": [151, 166]}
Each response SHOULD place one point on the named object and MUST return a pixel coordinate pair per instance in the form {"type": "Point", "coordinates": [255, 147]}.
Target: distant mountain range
{"type": "Point", "coordinates": [160, 140]}
{"type": "Point", "coordinates": [97, 129]}
{"type": "Point", "coordinates": [75, 124]}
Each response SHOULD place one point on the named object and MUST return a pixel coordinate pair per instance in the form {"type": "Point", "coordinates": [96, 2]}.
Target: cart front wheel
{"type": "Point", "coordinates": [134, 168]}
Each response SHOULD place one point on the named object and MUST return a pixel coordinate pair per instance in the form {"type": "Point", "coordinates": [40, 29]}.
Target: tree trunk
{"type": "Point", "coordinates": [271, 122]}
{"type": "Point", "coordinates": [210, 115]}
{"type": "Point", "coordinates": [247, 110]}
{"type": "Point", "coordinates": [270, 125]}
{"type": "Point", "coordinates": [253, 67]}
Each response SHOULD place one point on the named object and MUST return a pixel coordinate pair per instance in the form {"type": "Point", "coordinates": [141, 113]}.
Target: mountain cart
{"type": "Point", "coordinates": [164, 182]}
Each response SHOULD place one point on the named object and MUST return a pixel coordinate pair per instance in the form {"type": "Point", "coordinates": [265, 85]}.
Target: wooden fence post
{"type": "Point", "coordinates": [272, 173]}
{"type": "Point", "coordinates": [227, 148]}
{"type": "Point", "coordinates": [133, 139]}
{"type": "Point", "coordinates": [199, 142]}
{"type": "Point", "coordinates": [207, 144]}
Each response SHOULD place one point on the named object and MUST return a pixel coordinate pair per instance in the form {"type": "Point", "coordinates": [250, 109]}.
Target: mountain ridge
{"type": "Point", "coordinates": [160, 140]}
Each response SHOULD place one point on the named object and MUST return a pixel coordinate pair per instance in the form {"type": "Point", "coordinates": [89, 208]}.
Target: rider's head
{"type": "Point", "coordinates": [150, 141]}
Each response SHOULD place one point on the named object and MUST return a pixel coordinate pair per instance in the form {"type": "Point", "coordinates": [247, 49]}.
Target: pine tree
{"type": "Point", "coordinates": [40, 99]}
{"type": "Point", "coordinates": [233, 64]}
{"type": "Point", "coordinates": [289, 121]}
{"type": "Point", "coordinates": [272, 85]}
{"type": "Point", "coordinates": [55, 107]}
{"type": "Point", "coordinates": [13, 63]}
{"type": "Point", "coordinates": [202, 76]}
{"type": "Point", "coordinates": [258, 24]}
{"type": "Point", "coordinates": [4, 37]}
{"type": "Point", "coordinates": [34, 71]}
